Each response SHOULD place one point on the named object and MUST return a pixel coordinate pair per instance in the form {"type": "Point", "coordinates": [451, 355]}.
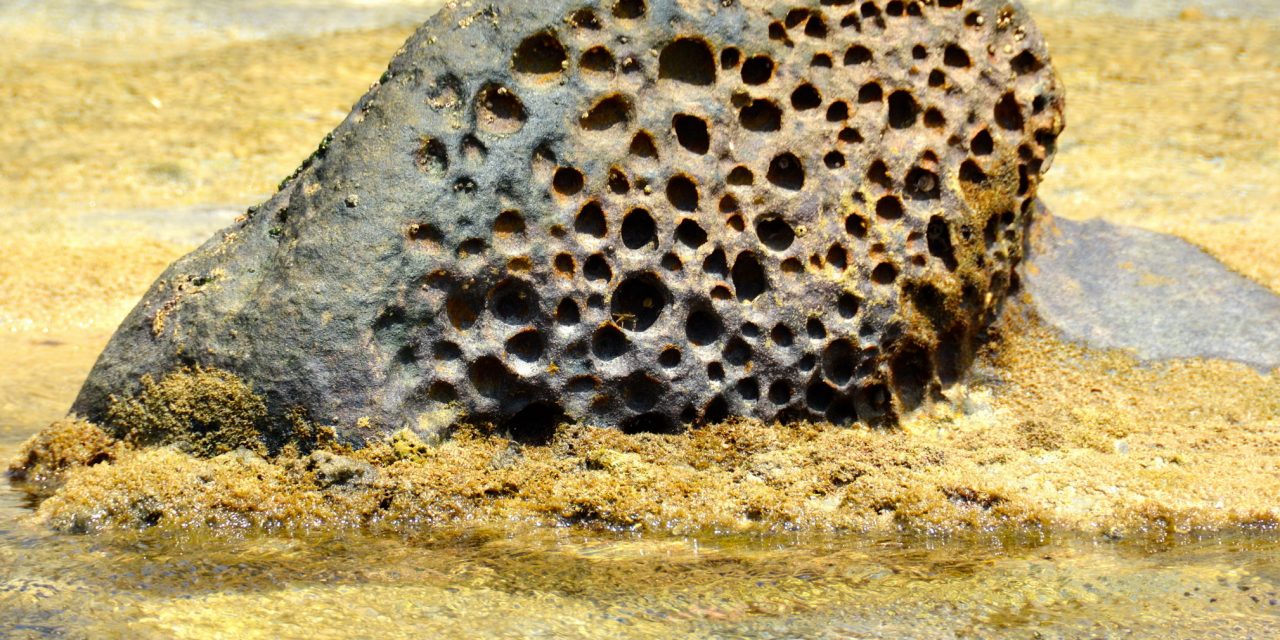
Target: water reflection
{"type": "Point", "coordinates": [570, 583]}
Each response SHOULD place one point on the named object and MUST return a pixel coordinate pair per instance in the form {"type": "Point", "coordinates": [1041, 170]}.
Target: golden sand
{"type": "Point", "coordinates": [1170, 127]}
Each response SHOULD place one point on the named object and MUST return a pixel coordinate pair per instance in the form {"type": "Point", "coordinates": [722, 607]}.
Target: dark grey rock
{"type": "Point", "coordinates": [633, 214]}
{"type": "Point", "coordinates": [1160, 296]}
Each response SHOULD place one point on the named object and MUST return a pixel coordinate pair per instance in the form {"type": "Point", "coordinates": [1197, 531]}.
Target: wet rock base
{"type": "Point", "coordinates": [1047, 435]}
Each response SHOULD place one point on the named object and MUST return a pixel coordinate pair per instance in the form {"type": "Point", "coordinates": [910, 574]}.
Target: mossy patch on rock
{"type": "Point", "coordinates": [201, 411]}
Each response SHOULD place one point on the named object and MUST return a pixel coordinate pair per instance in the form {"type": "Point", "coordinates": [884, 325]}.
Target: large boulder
{"type": "Point", "coordinates": [633, 214]}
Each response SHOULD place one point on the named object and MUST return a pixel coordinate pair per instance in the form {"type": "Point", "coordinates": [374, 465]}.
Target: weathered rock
{"type": "Point", "coordinates": [1161, 297]}
{"type": "Point", "coordinates": [633, 214]}
{"type": "Point", "coordinates": [334, 470]}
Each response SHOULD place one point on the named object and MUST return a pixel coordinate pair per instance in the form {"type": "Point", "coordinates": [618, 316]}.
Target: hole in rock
{"type": "Point", "coordinates": [447, 351]}
{"type": "Point", "coordinates": [729, 58]}
{"type": "Point", "coordinates": [540, 54]}
{"type": "Point", "coordinates": [934, 119]}
{"type": "Point", "coordinates": [618, 182]}
{"type": "Point", "coordinates": [856, 55]}
{"type": "Point", "coordinates": [682, 193]}
{"type": "Point", "coordinates": [938, 236]}
{"type": "Point", "coordinates": [889, 208]}
{"type": "Point", "coordinates": [780, 392]}
{"type": "Point", "coordinates": [703, 327]}
{"type": "Point", "coordinates": [568, 181]}
{"type": "Point", "coordinates": [903, 110]}
{"type": "Point", "coordinates": [982, 143]}
{"type": "Point", "coordinates": [598, 60]}
{"type": "Point", "coordinates": [597, 269]}
{"type": "Point", "coordinates": [565, 265]}
{"type": "Point", "coordinates": [761, 116]}
{"type": "Point", "coordinates": [782, 335]}
{"type": "Point", "coordinates": [749, 389]}
{"type": "Point", "coordinates": [508, 224]}
{"type": "Point", "coordinates": [878, 174]}
{"type": "Point", "coordinates": [806, 97]}
{"type": "Point", "coordinates": [834, 160]}
{"type": "Point", "coordinates": [837, 257]}
{"type": "Point", "coordinates": [870, 92]}
{"type": "Point", "coordinates": [638, 302]}
{"type": "Point", "coordinates": [568, 314]}
{"type": "Point", "coordinates": [432, 157]}
{"type": "Point", "coordinates": [526, 345]}
{"type": "Point", "coordinates": [640, 392]}
{"type": "Point", "coordinates": [717, 411]}
{"type": "Point", "coordinates": [442, 392]}
{"type": "Point", "coordinates": [716, 264]}
{"type": "Point", "coordinates": [847, 305]}
{"type": "Point", "coordinates": [737, 352]}
{"type": "Point", "coordinates": [691, 132]}
{"type": "Point", "coordinates": [513, 302]}
{"type": "Point", "coordinates": [774, 232]}
{"type": "Point", "coordinates": [819, 396]}
{"type": "Point", "coordinates": [499, 111]}
{"type": "Point", "coordinates": [972, 173]}
{"type": "Point", "coordinates": [749, 278]}
{"type": "Point", "coordinates": [757, 70]}
{"type": "Point", "coordinates": [884, 273]}
{"type": "Point", "coordinates": [609, 343]}
{"type": "Point", "coordinates": [912, 375]}
{"type": "Point", "coordinates": [642, 146]}
{"type": "Point", "coordinates": [535, 425]}
{"type": "Point", "coordinates": [690, 234]}
{"type": "Point", "coordinates": [591, 221]}
{"type": "Point", "coordinates": [838, 361]}
{"type": "Point", "coordinates": [491, 378]}
{"type": "Point", "coordinates": [786, 172]}
{"type": "Point", "coordinates": [628, 9]}
{"type": "Point", "coordinates": [923, 184]}
{"type": "Point", "coordinates": [954, 56]}
{"type": "Point", "coordinates": [838, 111]}
{"type": "Point", "coordinates": [1009, 113]}
{"type": "Point", "coordinates": [687, 60]}
{"type": "Point", "coordinates": [463, 308]}
{"type": "Point", "coordinates": [815, 329]}
{"type": "Point", "coordinates": [1026, 62]}
{"type": "Point", "coordinates": [670, 358]}
{"type": "Point", "coordinates": [639, 230]}
{"type": "Point", "coordinates": [652, 422]}
{"type": "Point", "coordinates": [610, 113]}
{"type": "Point", "coordinates": [856, 226]}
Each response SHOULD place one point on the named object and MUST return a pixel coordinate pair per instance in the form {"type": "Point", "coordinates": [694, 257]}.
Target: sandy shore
{"type": "Point", "coordinates": [1171, 125]}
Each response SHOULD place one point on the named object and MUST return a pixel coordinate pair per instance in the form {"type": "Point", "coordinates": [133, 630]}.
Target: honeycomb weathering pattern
{"type": "Point", "coordinates": [635, 214]}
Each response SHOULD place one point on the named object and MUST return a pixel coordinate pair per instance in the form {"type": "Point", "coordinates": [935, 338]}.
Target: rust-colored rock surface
{"type": "Point", "coordinates": [634, 214]}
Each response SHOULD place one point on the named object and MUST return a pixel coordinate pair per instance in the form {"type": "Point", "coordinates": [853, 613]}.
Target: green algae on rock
{"type": "Point", "coordinates": [634, 215]}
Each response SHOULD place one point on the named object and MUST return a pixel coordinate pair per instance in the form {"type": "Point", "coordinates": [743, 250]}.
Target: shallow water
{"type": "Point", "coordinates": [564, 583]}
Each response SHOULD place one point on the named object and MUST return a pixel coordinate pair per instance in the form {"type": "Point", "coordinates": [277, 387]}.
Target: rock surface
{"type": "Point", "coordinates": [1162, 297]}
{"type": "Point", "coordinates": [636, 215]}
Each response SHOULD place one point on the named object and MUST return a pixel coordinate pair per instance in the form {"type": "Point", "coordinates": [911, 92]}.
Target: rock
{"type": "Point", "coordinates": [334, 470]}
{"type": "Point", "coordinates": [633, 214]}
{"type": "Point", "coordinates": [1162, 297]}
